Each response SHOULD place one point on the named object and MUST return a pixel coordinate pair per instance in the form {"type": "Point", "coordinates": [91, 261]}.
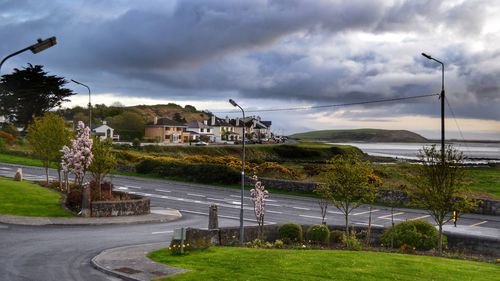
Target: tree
{"type": "Point", "coordinates": [178, 117]}
{"type": "Point", "coordinates": [439, 186]}
{"type": "Point", "coordinates": [103, 161]}
{"type": "Point", "coordinates": [347, 184]}
{"type": "Point", "coordinates": [77, 158]}
{"type": "Point", "coordinates": [46, 135]}
{"type": "Point", "coordinates": [129, 125]}
{"type": "Point", "coordinates": [30, 92]}
{"type": "Point", "coordinates": [259, 195]}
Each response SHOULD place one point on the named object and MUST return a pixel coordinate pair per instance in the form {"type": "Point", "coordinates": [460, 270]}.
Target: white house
{"type": "Point", "coordinates": [199, 129]}
{"type": "Point", "coordinates": [104, 131]}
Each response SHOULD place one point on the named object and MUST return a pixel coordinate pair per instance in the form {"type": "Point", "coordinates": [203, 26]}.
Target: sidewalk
{"type": "Point", "coordinates": [157, 215]}
{"type": "Point", "coordinates": [131, 263]}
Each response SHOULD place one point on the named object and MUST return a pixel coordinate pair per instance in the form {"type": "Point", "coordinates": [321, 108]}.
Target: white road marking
{"type": "Point", "coordinates": [335, 212]}
{"type": "Point", "coordinates": [274, 205]}
{"type": "Point", "coordinates": [300, 208]}
{"type": "Point", "coordinates": [122, 188]}
{"type": "Point", "coordinates": [239, 196]}
{"type": "Point", "coordinates": [215, 199]}
{"type": "Point", "coordinates": [197, 195]}
{"type": "Point", "coordinates": [163, 190]}
{"type": "Point", "coordinates": [367, 212]}
{"type": "Point", "coordinates": [132, 186]}
{"type": "Point", "coordinates": [161, 232]}
{"type": "Point", "coordinates": [274, 212]}
{"type": "Point", "coordinates": [364, 223]}
{"type": "Point", "coordinates": [479, 223]}
{"type": "Point", "coordinates": [194, 212]}
{"type": "Point", "coordinates": [312, 217]}
{"type": "Point", "coordinates": [6, 168]}
{"type": "Point", "coordinates": [419, 218]}
{"type": "Point", "coordinates": [389, 215]}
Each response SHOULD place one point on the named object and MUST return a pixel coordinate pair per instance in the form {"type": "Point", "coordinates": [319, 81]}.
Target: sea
{"type": "Point", "coordinates": [475, 152]}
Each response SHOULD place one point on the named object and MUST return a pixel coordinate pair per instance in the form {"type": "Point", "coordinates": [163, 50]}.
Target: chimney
{"type": "Point", "coordinates": [227, 119]}
{"type": "Point", "coordinates": [213, 120]}
{"type": "Point", "coordinates": [205, 122]}
{"type": "Point", "coordinates": [155, 121]}
{"type": "Point", "coordinates": [104, 122]}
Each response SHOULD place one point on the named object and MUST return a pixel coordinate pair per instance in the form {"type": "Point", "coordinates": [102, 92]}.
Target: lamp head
{"type": "Point", "coordinates": [42, 45]}
{"type": "Point", "coordinates": [426, 55]}
{"type": "Point", "coordinates": [233, 102]}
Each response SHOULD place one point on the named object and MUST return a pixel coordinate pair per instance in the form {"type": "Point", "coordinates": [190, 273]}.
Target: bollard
{"type": "Point", "coordinates": [213, 220]}
{"type": "Point", "coordinates": [19, 175]}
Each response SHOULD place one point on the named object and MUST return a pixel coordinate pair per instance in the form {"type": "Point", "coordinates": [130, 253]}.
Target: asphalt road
{"type": "Point", "coordinates": [63, 253]}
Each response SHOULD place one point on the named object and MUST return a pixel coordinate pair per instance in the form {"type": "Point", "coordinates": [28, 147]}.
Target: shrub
{"type": "Point", "coordinates": [147, 166]}
{"type": "Point", "coordinates": [74, 200]}
{"type": "Point", "coordinates": [420, 235]}
{"type": "Point", "coordinates": [351, 242]}
{"type": "Point", "coordinates": [293, 151]}
{"type": "Point", "coordinates": [318, 233]}
{"type": "Point", "coordinates": [9, 139]}
{"type": "Point", "coordinates": [336, 236]}
{"type": "Point", "coordinates": [176, 246]}
{"type": "Point", "coordinates": [290, 232]}
{"type": "Point", "coordinates": [278, 244]}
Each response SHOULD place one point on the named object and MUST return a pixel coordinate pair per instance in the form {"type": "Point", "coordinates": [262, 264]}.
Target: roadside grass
{"type": "Point", "coordinates": [484, 180]}
{"type": "Point", "coordinates": [29, 199]}
{"type": "Point", "coordinates": [228, 263]}
{"type": "Point", "coordinates": [22, 160]}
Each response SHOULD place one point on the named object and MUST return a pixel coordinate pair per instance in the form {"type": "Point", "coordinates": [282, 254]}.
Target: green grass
{"type": "Point", "coordinates": [224, 263]}
{"type": "Point", "coordinates": [484, 180]}
{"type": "Point", "coordinates": [22, 160]}
{"type": "Point", "coordinates": [29, 199]}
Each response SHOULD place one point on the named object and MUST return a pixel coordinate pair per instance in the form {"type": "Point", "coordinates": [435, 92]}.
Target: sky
{"type": "Point", "coordinates": [275, 54]}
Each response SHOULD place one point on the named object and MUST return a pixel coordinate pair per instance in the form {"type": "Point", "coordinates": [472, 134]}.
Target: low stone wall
{"type": "Point", "coordinates": [133, 207]}
{"type": "Point", "coordinates": [401, 198]}
{"type": "Point", "coordinates": [229, 236]}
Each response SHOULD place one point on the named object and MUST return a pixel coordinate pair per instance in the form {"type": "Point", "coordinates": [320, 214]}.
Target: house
{"type": "Point", "coordinates": [255, 129]}
{"type": "Point", "coordinates": [223, 130]}
{"type": "Point", "coordinates": [167, 131]}
{"type": "Point", "coordinates": [200, 131]}
{"type": "Point", "coordinates": [104, 132]}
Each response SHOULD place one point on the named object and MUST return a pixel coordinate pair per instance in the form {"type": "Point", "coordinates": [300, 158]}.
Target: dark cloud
{"type": "Point", "coordinates": [293, 51]}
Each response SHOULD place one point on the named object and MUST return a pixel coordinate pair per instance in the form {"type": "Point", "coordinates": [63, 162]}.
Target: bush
{"type": "Point", "coordinates": [351, 242]}
{"type": "Point", "coordinates": [296, 152]}
{"type": "Point", "coordinates": [318, 233]}
{"type": "Point", "coordinates": [278, 244]}
{"type": "Point", "coordinates": [336, 236]}
{"type": "Point", "coordinates": [290, 232]}
{"type": "Point", "coordinates": [74, 200]}
{"type": "Point", "coordinates": [147, 166]}
{"type": "Point", "coordinates": [176, 246]}
{"type": "Point", "coordinates": [419, 235]}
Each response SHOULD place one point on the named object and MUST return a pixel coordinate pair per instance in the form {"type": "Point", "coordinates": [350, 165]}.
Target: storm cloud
{"type": "Point", "coordinates": [285, 52]}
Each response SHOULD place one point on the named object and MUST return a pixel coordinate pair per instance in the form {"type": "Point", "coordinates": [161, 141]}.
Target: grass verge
{"type": "Point", "coordinates": [225, 263]}
{"type": "Point", "coordinates": [29, 199]}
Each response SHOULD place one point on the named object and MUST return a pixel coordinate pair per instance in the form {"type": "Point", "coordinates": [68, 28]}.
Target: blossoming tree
{"type": "Point", "coordinates": [259, 196]}
{"type": "Point", "coordinates": [77, 158]}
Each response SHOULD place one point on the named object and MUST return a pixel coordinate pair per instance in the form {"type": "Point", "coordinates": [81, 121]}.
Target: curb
{"type": "Point", "coordinates": [168, 215]}
{"type": "Point", "coordinates": [104, 270]}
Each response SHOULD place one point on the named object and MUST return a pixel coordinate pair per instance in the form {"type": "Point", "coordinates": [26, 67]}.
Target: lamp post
{"type": "Point", "coordinates": [442, 97]}
{"type": "Point", "coordinates": [41, 45]}
{"type": "Point", "coordinates": [90, 104]}
{"type": "Point", "coordinates": [242, 171]}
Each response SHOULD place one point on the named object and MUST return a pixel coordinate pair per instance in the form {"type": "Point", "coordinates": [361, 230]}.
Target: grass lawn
{"type": "Point", "coordinates": [484, 180]}
{"type": "Point", "coordinates": [227, 263]}
{"type": "Point", "coordinates": [22, 160]}
{"type": "Point", "coordinates": [29, 199]}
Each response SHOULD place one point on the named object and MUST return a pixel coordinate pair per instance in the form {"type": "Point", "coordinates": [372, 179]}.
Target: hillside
{"type": "Point", "coordinates": [361, 135]}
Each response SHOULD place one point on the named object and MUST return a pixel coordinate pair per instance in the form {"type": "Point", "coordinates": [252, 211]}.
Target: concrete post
{"type": "Point", "coordinates": [213, 220]}
{"type": "Point", "coordinates": [86, 201]}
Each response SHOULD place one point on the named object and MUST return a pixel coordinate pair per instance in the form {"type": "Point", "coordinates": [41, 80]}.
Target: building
{"type": "Point", "coordinates": [222, 129]}
{"type": "Point", "coordinates": [104, 131]}
{"type": "Point", "coordinates": [200, 131]}
{"type": "Point", "coordinates": [167, 131]}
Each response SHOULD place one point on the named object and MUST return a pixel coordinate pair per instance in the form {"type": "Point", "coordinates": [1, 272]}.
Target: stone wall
{"type": "Point", "coordinates": [229, 236]}
{"type": "Point", "coordinates": [485, 207]}
{"type": "Point", "coordinates": [133, 207]}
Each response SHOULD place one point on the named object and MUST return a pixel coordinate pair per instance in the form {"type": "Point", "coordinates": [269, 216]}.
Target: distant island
{"type": "Point", "coordinates": [360, 135]}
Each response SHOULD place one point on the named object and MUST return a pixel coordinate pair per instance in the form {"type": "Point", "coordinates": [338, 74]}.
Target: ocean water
{"type": "Point", "coordinates": [476, 152]}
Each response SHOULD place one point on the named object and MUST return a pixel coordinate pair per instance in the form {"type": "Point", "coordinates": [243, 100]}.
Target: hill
{"type": "Point", "coordinates": [361, 135]}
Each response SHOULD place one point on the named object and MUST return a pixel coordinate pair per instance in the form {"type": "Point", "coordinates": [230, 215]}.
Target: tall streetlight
{"type": "Point", "coordinates": [90, 104]}
{"type": "Point", "coordinates": [41, 45]}
{"type": "Point", "coordinates": [242, 170]}
{"type": "Point", "coordinates": [442, 97]}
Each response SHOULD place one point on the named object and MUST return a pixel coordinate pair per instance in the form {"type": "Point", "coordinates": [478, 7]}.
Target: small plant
{"type": "Point", "coordinates": [290, 233]}
{"type": "Point", "coordinates": [278, 244]}
{"type": "Point", "coordinates": [351, 242]}
{"type": "Point", "coordinates": [177, 248]}
{"type": "Point", "coordinates": [318, 233]}
{"type": "Point", "coordinates": [336, 236]}
{"type": "Point", "coordinates": [256, 243]}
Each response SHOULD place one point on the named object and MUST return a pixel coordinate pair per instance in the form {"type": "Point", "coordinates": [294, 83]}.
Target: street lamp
{"type": "Point", "coordinates": [442, 97]}
{"type": "Point", "coordinates": [90, 105]}
{"type": "Point", "coordinates": [41, 45]}
{"type": "Point", "coordinates": [242, 170]}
